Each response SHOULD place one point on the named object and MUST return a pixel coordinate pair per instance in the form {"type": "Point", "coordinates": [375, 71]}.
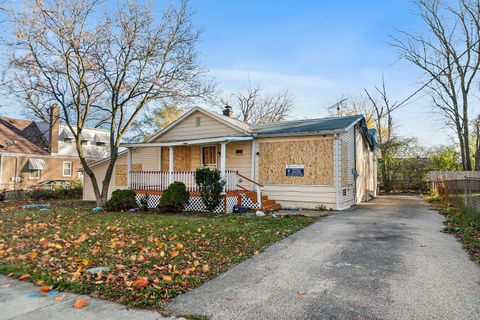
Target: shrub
{"type": "Point", "coordinates": [121, 200]}
{"type": "Point", "coordinates": [71, 193]}
{"type": "Point", "coordinates": [211, 185]}
{"type": "Point", "coordinates": [174, 198]}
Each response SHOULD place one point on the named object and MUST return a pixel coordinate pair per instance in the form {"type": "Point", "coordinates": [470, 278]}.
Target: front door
{"type": "Point", "coordinates": [209, 156]}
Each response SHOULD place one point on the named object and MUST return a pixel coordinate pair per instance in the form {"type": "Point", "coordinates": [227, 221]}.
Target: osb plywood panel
{"type": "Point", "coordinates": [315, 155]}
{"type": "Point", "coordinates": [181, 158]}
{"type": "Point", "coordinates": [121, 173]}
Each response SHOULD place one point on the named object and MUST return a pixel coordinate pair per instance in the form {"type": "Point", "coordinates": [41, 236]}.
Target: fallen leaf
{"type": "Point", "coordinates": [3, 286]}
{"type": "Point", "coordinates": [167, 278]}
{"type": "Point", "coordinates": [179, 246]}
{"type": "Point", "coordinates": [255, 253]}
{"type": "Point", "coordinates": [140, 282]}
{"type": "Point", "coordinates": [58, 246]}
{"type": "Point", "coordinates": [174, 254]}
{"type": "Point", "coordinates": [59, 298]}
{"type": "Point", "coordinates": [82, 238]}
{"type": "Point", "coordinates": [39, 282]}
{"type": "Point", "coordinates": [196, 263]}
{"type": "Point", "coordinates": [32, 255]}
{"type": "Point", "coordinates": [206, 267]}
{"type": "Point", "coordinates": [24, 276]}
{"type": "Point", "coordinates": [300, 293]}
{"type": "Point", "coordinates": [45, 288]}
{"type": "Point", "coordinates": [80, 303]}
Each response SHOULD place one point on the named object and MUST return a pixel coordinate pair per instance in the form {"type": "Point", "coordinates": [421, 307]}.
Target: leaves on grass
{"type": "Point", "coordinates": [148, 259]}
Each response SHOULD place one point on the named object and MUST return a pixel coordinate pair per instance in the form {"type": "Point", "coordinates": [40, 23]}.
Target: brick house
{"type": "Point", "coordinates": [32, 152]}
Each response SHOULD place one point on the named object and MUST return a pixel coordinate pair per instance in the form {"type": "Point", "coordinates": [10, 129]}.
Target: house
{"type": "Point", "coordinates": [314, 163]}
{"type": "Point", "coordinates": [32, 152]}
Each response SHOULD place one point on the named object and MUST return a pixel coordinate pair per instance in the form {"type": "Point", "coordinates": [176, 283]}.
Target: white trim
{"type": "Point", "coordinates": [170, 164]}
{"type": "Point", "coordinates": [188, 113]}
{"type": "Point", "coordinates": [185, 142]}
{"type": "Point", "coordinates": [71, 169]}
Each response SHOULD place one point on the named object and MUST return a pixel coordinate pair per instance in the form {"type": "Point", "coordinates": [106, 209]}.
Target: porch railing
{"type": "Point", "coordinates": [159, 180]}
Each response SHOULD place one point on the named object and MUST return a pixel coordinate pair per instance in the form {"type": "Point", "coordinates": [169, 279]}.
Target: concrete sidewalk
{"type": "Point", "coordinates": [23, 300]}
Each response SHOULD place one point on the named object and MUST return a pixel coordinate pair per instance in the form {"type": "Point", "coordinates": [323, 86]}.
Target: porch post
{"type": "Point", "coordinates": [252, 168]}
{"type": "Point", "coordinates": [223, 160]}
{"type": "Point", "coordinates": [170, 165]}
{"type": "Point", "coordinates": [129, 167]}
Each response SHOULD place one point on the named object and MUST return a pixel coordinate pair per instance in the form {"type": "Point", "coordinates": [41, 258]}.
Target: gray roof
{"type": "Point", "coordinates": [304, 126]}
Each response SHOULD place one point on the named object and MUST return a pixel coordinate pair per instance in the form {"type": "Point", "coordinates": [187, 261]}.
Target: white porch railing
{"type": "Point", "coordinates": [159, 181]}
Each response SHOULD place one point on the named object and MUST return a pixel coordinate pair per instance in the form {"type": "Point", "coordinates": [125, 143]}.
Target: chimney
{"type": "Point", "coordinates": [227, 111]}
{"type": "Point", "coordinates": [54, 128]}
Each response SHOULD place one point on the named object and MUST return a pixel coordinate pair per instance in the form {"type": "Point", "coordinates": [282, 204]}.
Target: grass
{"type": "Point", "coordinates": [462, 223]}
{"type": "Point", "coordinates": [152, 258]}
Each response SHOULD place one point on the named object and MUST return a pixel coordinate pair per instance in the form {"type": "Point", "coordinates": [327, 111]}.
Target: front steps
{"type": "Point", "coordinates": [267, 204]}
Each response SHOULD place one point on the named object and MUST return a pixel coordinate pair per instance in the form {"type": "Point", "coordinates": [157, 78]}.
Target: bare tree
{"type": "Point", "coordinates": [450, 58]}
{"type": "Point", "coordinates": [256, 106]}
{"type": "Point", "coordinates": [476, 132]}
{"type": "Point", "coordinates": [102, 71]}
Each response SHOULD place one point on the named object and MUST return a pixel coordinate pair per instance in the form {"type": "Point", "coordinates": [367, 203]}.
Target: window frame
{"type": "Point", "coordinates": [71, 169]}
{"type": "Point", "coordinates": [31, 177]}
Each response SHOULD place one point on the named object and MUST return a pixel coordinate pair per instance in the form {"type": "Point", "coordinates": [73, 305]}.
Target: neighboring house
{"type": "Point", "coordinates": [32, 152]}
{"type": "Point", "coordinates": [315, 163]}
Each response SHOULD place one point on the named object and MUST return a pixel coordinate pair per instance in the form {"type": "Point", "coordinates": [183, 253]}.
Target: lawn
{"type": "Point", "coordinates": [462, 222]}
{"type": "Point", "coordinates": [151, 257]}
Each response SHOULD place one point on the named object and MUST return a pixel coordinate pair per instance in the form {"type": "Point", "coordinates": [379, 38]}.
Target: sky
{"type": "Point", "coordinates": [318, 50]}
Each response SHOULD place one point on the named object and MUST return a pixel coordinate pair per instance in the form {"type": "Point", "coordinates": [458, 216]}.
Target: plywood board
{"type": "Point", "coordinates": [182, 158]}
{"type": "Point", "coordinates": [315, 155]}
{"type": "Point", "coordinates": [121, 173]}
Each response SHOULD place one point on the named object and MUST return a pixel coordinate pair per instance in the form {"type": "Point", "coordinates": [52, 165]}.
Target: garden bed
{"type": "Point", "coordinates": [151, 258]}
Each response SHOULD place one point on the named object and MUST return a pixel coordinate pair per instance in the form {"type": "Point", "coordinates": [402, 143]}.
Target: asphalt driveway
{"type": "Point", "coordinates": [386, 259]}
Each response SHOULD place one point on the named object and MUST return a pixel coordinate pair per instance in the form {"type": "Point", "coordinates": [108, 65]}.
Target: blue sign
{"type": "Point", "coordinates": [295, 170]}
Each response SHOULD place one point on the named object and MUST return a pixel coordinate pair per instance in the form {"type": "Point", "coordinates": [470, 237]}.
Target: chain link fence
{"type": "Point", "coordinates": [461, 192]}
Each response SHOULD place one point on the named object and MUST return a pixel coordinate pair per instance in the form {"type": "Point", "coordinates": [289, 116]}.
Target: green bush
{"type": "Point", "coordinates": [174, 198]}
{"type": "Point", "coordinates": [211, 185]}
{"type": "Point", "coordinates": [121, 200]}
{"type": "Point", "coordinates": [63, 194]}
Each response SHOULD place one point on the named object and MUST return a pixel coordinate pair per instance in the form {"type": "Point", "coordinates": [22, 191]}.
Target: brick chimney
{"type": "Point", "coordinates": [54, 128]}
{"type": "Point", "coordinates": [228, 111]}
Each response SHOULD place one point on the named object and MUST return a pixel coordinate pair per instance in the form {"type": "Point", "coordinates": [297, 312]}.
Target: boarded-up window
{"type": "Point", "coordinates": [181, 158]}
{"type": "Point", "coordinates": [121, 173]}
{"type": "Point", "coordinates": [315, 155]}
{"type": "Point", "coordinates": [344, 163]}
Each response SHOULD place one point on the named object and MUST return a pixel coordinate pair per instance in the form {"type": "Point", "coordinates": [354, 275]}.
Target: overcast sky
{"type": "Point", "coordinates": [318, 50]}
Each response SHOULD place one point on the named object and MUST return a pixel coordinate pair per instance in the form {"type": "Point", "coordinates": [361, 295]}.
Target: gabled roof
{"type": "Point", "coordinates": [231, 122]}
{"type": "Point", "coordinates": [319, 125]}
{"type": "Point", "coordinates": [27, 136]}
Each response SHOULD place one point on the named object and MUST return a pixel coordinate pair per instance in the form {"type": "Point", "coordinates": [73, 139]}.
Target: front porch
{"type": "Point", "coordinates": [234, 157]}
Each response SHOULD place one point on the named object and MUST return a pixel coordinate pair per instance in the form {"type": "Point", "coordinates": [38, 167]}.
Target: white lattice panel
{"type": "Point", "coordinates": [194, 204]}
{"type": "Point", "coordinates": [247, 202]}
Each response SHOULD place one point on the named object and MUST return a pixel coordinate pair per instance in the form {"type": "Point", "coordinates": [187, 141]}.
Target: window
{"type": "Point", "coordinates": [209, 156]}
{"type": "Point", "coordinates": [198, 120]}
{"type": "Point", "coordinates": [67, 168]}
{"type": "Point", "coordinates": [34, 175]}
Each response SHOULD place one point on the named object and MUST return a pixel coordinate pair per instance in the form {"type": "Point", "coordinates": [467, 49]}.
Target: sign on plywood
{"type": "Point", "coordinates": [295, 170]}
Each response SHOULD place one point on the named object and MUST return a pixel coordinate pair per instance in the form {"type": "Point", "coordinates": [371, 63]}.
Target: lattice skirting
{"type": "Point", "coordinates": [247, 202]}
{"type": "Point", "coordinates": [194, 204]}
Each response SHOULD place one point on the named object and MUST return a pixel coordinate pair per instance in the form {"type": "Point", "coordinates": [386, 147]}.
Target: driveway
{"type": "Point", "coordinates": [387, 259]}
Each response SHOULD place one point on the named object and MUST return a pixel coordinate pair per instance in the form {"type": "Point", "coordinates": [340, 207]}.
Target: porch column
{"type": "Point", "coordinates": [129, 167]}
{"type": "Point", "coordinates": [170, 165]}
{"type": "Point", "coordinates": [252, 168]}
{"type": "Point", "coordinates": [223, 160]}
